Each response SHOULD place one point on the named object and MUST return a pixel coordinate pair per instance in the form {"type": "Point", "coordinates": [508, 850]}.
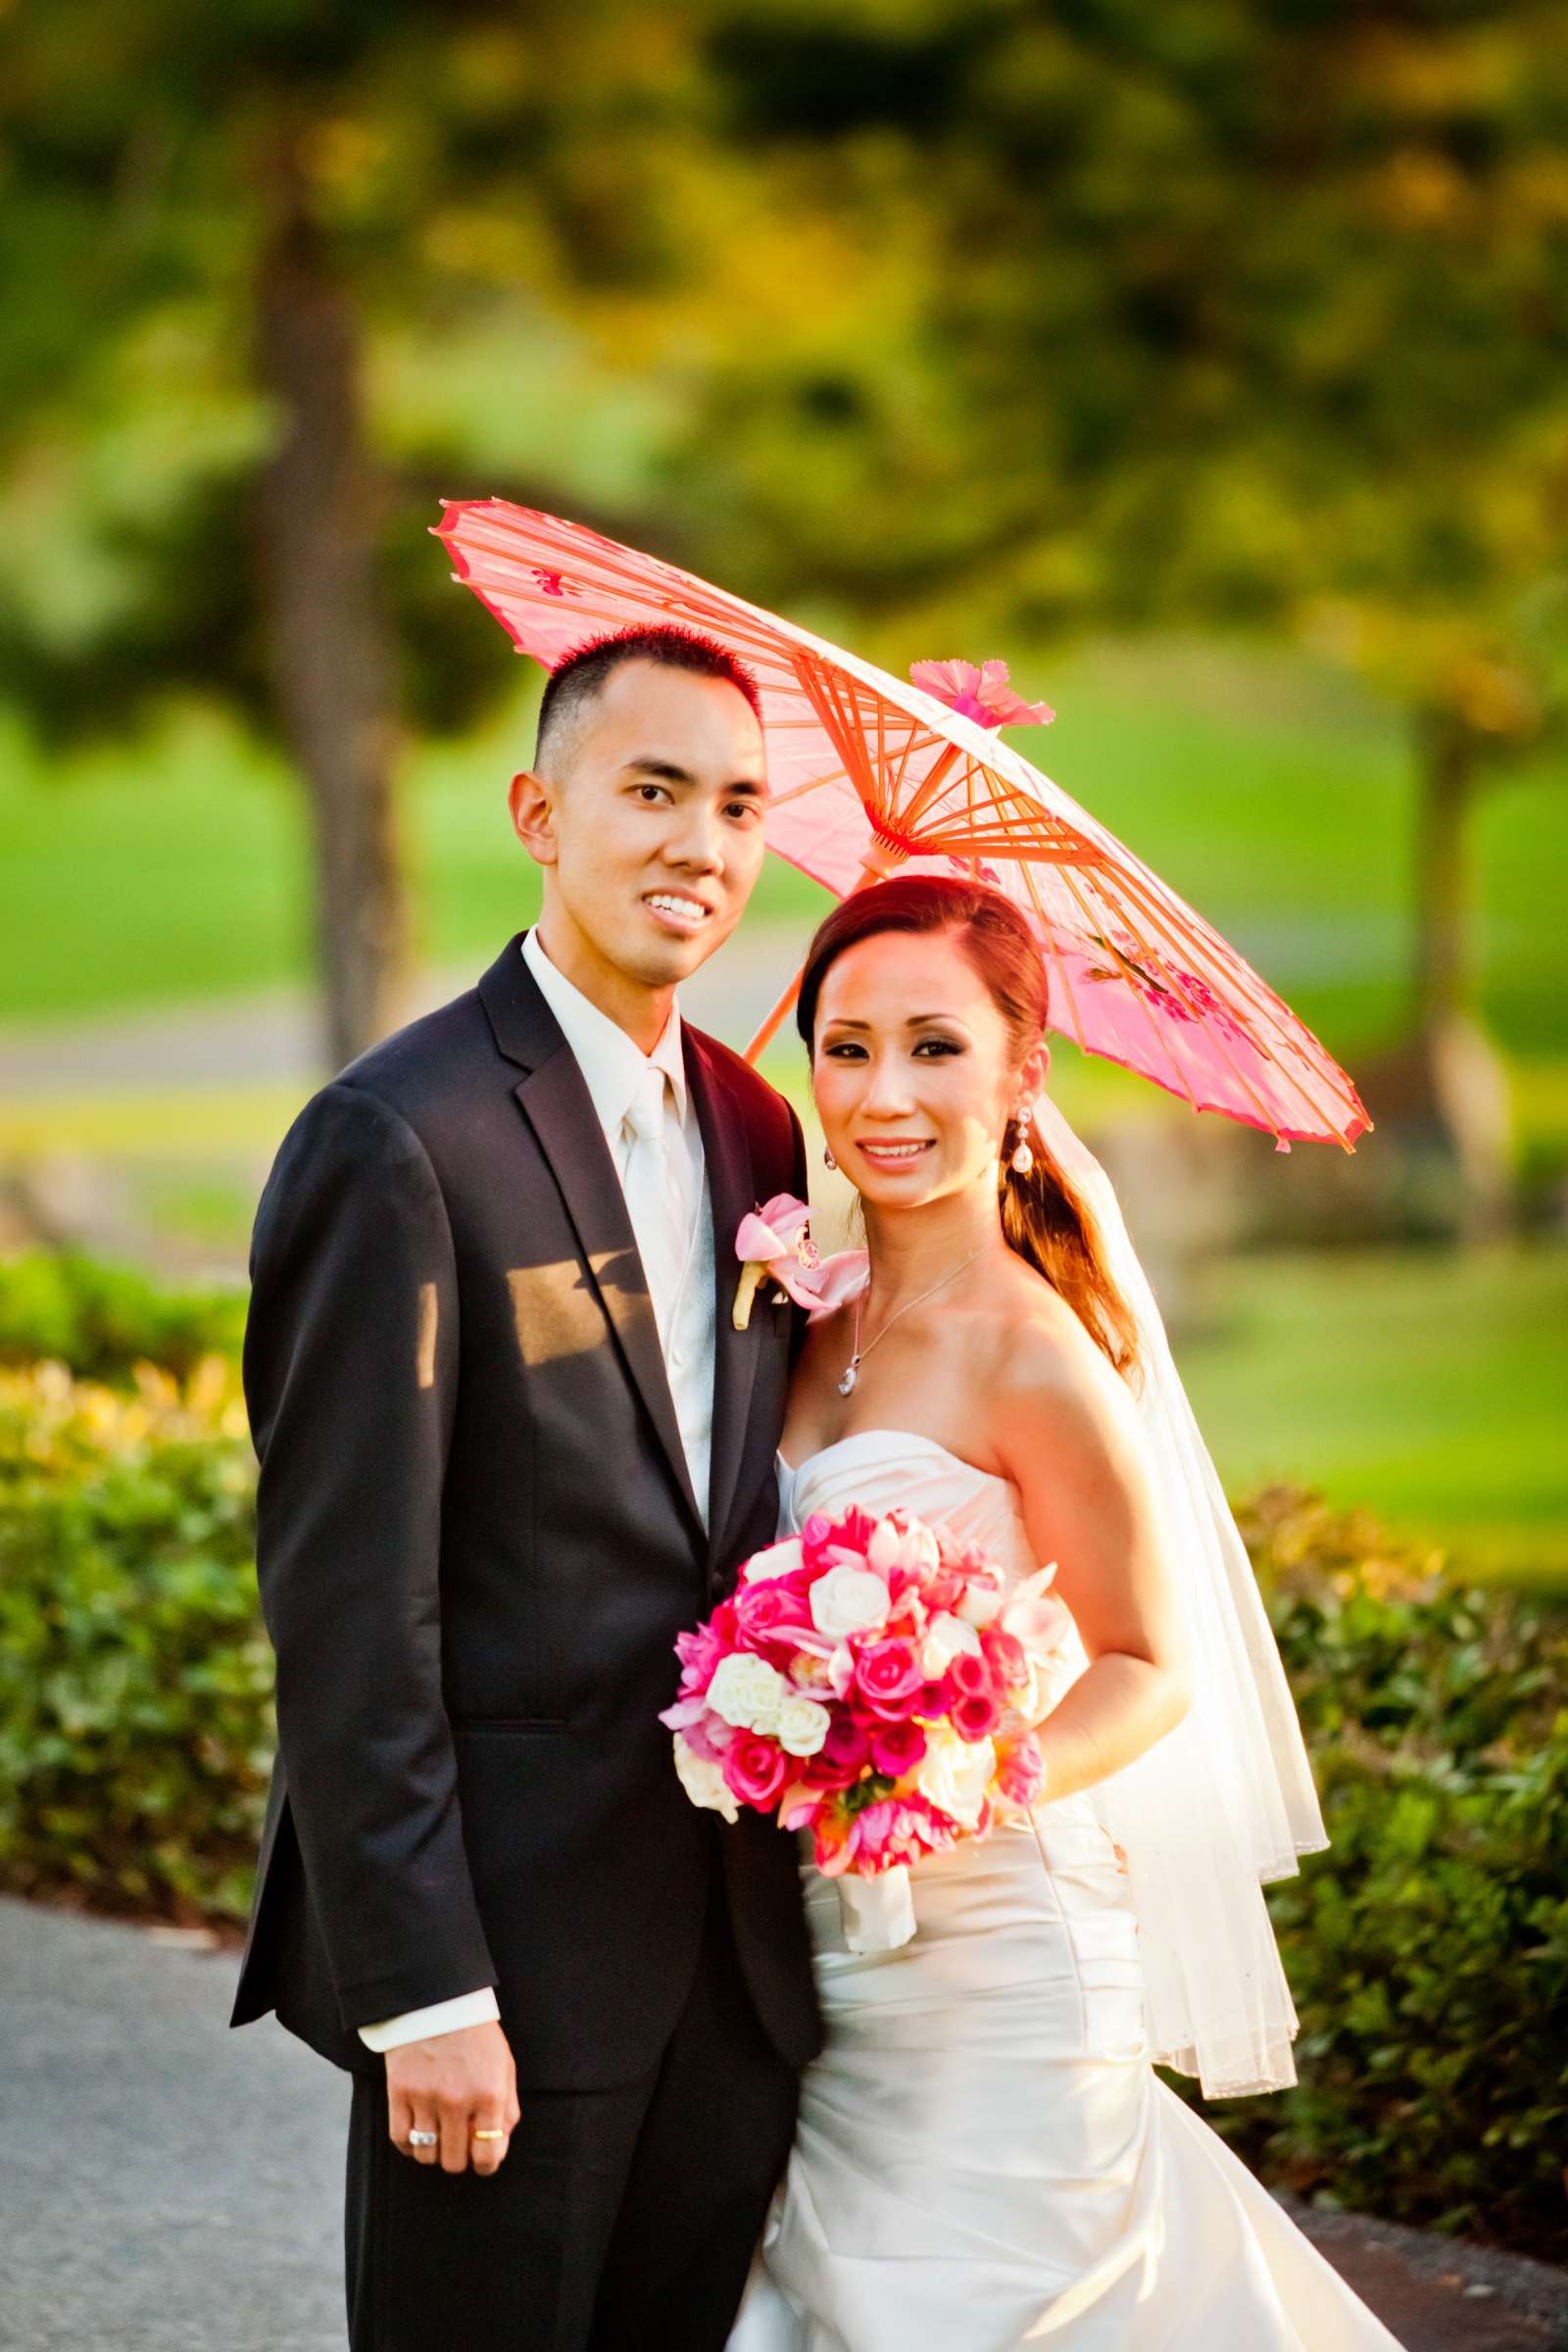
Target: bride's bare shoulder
{"type": "Point", "coordinates": [1053, 1386]}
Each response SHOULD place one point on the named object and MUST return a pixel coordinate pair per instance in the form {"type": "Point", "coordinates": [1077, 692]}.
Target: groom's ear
{"type": "Point", "coordinates": [533, 815]}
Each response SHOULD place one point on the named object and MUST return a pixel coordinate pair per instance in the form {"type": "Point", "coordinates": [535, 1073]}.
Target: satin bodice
{"type": "Point", "coordinates": [888, 1469]}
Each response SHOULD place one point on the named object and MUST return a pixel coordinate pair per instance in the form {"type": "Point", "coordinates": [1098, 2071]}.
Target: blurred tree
{"type": "Point", "coordinates": [274, 275]}
{"type": "Point", "coordinates": [1236, 311]}
{"type": "Point", "coordinates": [1251, 312]}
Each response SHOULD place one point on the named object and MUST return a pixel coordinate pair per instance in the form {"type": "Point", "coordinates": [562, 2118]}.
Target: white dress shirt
{"type": "Point", "coordinates": [656, 1145]}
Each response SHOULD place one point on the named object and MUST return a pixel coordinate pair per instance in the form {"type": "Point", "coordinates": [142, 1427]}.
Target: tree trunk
{"type": "Point", "coordinates": [331, 664]}
{"type": "Point", "coordinates": [1464, 1078]}
{"type": "Point", "coordinates": [1444, 976]}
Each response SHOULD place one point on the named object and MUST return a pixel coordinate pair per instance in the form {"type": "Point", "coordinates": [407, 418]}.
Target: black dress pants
{"type": "Point", "coordinates": [621, 2221]}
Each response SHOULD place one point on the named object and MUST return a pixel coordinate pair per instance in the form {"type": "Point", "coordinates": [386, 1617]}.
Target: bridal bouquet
{"type": "Point", "coordinates": [871, 1682]}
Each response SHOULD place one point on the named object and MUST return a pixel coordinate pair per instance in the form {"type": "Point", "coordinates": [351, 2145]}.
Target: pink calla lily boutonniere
{"type": "Point", "coordinates": [775, 1241]}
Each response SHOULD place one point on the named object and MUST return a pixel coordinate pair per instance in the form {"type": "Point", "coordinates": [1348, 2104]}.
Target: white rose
{"type": "Point", "coordinates": [746, 1691]}
{"type": "Point", "coordinates": [954, 1774]}
{"type": "Point", "coordinates": [801, 1726]}
{"type": "Point", "coordinates": [779, 1559]}
{"type": "Point", "coordinates": [704, 1783]}
{"type": "Point", "coordinates": [849, 1600]}
{"type": "Point", "coordinates": [946, 1636]}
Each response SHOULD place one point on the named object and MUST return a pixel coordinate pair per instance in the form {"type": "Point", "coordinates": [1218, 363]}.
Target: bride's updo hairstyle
{"type": "Point", "coordinates": [1043, 1218]}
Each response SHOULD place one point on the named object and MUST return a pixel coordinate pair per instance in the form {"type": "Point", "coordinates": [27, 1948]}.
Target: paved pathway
{"type": "Point", "coordinates": [274, 1035]}
{"type": "Point", "coordinates": [168, 2185]}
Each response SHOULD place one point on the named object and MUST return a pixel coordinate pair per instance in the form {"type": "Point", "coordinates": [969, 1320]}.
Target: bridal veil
{"type": "Point", "coordinates": [1226, 1799]}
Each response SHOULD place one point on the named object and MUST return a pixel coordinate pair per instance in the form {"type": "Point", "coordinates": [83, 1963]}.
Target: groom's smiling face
{"type": "Point", "coordinates": [649, 826]}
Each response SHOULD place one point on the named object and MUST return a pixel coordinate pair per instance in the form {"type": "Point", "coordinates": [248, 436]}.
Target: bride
{"type": "Point", "coordinates": [985, 2157]}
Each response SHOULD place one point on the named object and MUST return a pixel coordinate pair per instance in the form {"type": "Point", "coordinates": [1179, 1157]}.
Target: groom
{"type": "Point", "coordinates": [511, 1446]}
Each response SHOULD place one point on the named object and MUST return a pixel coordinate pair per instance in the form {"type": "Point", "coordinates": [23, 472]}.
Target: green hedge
{"type": "Point", "coordinates": [102, 1321]}
{"type": "Point", "coordinates": [136, 1726]}
{"type": "Point", "coordinates": [1428, 1949]}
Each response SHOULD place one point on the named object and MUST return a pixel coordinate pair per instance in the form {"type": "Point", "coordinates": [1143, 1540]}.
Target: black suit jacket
{"type": "Point", "coordinates": [477, 1543]}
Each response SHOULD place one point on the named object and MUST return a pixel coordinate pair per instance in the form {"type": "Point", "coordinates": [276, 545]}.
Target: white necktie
{"type": "Point", "coordinates": [655, 1198]}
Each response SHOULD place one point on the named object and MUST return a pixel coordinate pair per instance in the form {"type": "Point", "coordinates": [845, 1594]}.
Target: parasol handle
{"type": "Point", "coordinates": [774, 1021]}
{"type": "Point", "coordinates": [877, 869]}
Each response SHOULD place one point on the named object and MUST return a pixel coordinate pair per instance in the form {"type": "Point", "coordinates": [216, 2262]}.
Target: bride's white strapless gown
{"type": "Point", "coordinates": [985, 2156]}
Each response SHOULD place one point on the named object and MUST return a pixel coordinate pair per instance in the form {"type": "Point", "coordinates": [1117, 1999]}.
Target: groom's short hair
{"type": "Point", "coordinates": [580, 676]}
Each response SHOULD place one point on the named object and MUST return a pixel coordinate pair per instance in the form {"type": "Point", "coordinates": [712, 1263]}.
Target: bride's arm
{"type": "Point", "coordinates": [1066, 1432]}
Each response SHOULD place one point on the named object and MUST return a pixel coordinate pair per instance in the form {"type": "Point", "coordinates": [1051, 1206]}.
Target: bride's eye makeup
{"type": "Point", "coordinates": [847, 1049]}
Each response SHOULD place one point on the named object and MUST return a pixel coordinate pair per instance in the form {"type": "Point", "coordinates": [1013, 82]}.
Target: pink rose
{"type": "Point", "coordinates": [756, 1770]}
{"type": "Point", "coordinates": [1021, 1773]}
{"type": "Point", "coordinates": [770, 1612]}
{"type": "Point", "coordinates": [841, 1758]}
{"type": "Point", "coordinates": [969, 1676]}
{"type": "Point", "coordinates": [1004, 1653]}
{"type": "Point", "coordinates": [888, 1675]}
{"type": "Point", "coordinates": [943, 1588]}
{"type": "Point", "coordinates": [848, 1744]}
{"type": "Point", "coordinates": [699, 1654]}
{"type": "Point", "coordinates": [700, 1649]}
{"type": "Point", "coordinates": [897, 1748]}
{"type": "Point", "coordinates": [975, 1715]}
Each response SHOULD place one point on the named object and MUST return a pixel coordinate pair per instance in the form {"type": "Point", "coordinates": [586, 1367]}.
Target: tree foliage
{"type": "Point", "coordinates": [989, 320]}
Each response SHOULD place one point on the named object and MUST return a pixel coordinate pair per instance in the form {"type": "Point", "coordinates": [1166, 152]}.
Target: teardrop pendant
{"type": "Point", "coordinates": [849, 1379]}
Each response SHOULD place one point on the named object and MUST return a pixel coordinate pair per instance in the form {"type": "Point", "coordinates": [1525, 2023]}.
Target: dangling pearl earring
{"type": "Point", "coordinates": [829, 1160]}
{"type": "Point", "coordinates": [1023, 1158]}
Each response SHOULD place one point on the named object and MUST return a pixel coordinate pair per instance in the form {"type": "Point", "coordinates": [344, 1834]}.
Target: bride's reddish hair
{"type": "Point", "coordinates": [1043, 1218]}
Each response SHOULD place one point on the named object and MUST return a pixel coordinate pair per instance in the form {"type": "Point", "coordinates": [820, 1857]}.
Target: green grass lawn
{"type": "Point", "coordinates": [1426, 1385]}
{"type": "Point", "coordinates": [1269, 792]}
{"type": "Point", "coordinates": [1274, 795]}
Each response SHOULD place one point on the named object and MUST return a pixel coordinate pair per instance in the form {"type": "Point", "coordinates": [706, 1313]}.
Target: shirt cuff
{"type": "Point", "coordinates": [441, 2017]}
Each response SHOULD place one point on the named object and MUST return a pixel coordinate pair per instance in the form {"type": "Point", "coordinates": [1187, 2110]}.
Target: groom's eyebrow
{"type": "Point", "coordinates": [670, 771]}
{"type": "Point", "coordinates": [662, 771]}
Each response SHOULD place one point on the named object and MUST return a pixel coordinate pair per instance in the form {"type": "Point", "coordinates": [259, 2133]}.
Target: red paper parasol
{"type": "Point", "coordinates": [873, 776]}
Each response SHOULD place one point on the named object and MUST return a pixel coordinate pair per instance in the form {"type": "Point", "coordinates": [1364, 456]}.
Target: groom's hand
{"type": "Point", "coordinates": [454, 2084]}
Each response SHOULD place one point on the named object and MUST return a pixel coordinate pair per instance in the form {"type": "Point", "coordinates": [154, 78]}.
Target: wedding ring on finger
{"type": "Point", "coordinates": [425, 2140]}
{"type": "Point", "coordinates": [487, 2135]}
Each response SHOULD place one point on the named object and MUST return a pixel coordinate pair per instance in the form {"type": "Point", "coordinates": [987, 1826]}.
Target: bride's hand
{"type": "Point", "coordinates": [454, 2084]}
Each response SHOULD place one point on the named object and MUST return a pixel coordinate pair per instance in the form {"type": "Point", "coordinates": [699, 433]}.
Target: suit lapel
{"type": "Point", "coordinates": [555, 1100]}
{"type": "Point", "coordinates": [721, 1118]}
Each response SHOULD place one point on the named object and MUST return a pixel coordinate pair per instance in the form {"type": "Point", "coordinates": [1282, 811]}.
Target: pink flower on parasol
{"type": "Point", "coordinates": [983, 694]}
{"type": "Point", "coordinates": [872, 775]}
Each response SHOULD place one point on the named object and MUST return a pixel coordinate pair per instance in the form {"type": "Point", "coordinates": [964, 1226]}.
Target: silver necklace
{"type": "Point", "coordinates": [851, 1370]}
